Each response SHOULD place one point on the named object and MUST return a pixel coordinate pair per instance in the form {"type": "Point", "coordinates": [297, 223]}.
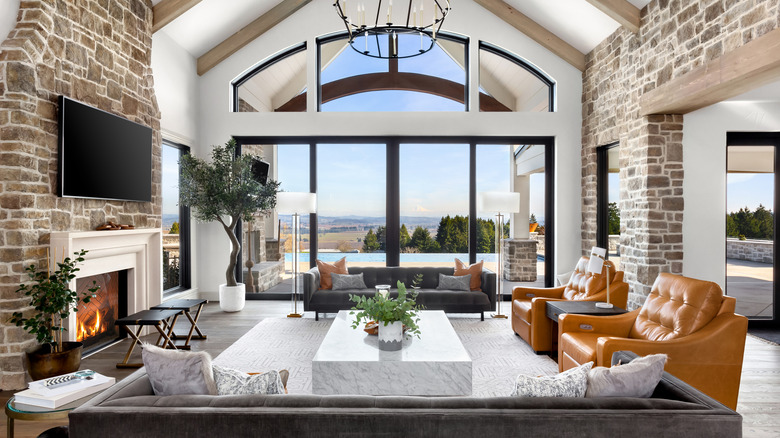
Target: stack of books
{"type": "Point", "coordinates": [58, 391]}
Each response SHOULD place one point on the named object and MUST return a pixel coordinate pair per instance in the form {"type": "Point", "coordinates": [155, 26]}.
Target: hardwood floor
{"type": "Point", "coordinates": [759, 396]}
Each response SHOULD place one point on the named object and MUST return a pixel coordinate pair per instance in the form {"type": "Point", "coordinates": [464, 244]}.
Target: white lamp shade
{"type": "Point", "coordinates": [296, 202]}
{"type": "Point", "coordinates": [498, 202]}
{"type": "Point", "coordinates": [596, 262]}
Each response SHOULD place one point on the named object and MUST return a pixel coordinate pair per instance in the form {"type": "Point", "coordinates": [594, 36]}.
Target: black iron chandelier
{"type": "Point", "coordinates": [379, 36]}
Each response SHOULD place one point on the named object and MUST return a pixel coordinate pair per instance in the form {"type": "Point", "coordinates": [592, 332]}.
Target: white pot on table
{"type": "Point", "coordinates": [391, 336]}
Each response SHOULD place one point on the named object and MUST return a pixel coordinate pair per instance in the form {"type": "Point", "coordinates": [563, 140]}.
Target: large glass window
{"type": "Point", "coordinates": [506, 83]}
{"type": "Point", "coordinates": [433, 81]}
{"type": "Point", "coordinates": [493, 175]}
{"type": "Point", "coordinates": [434, 207]}
{"type": "Point", "coordinates": [608, 216]}
{"type": "Point", "coordinates": [175, 222]}
{"type": "Point", "coordinates": [278, 84]}
{"type": "Point", "coordinates": [293, 175]}
{"type": "Point", "coordinates": [351, 203]}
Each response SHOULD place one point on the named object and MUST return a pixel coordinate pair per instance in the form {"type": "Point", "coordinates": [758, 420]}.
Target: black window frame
{"type": "Point", "coordinates": [236, 84]}
{"type": "Point", "coordinates": [602, 194]}
{"type": "Point", "coordinates": [185, 233]}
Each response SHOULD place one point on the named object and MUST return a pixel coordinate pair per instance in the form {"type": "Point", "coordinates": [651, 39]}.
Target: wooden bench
{"type": "Point", "coordinates": [162, 320]}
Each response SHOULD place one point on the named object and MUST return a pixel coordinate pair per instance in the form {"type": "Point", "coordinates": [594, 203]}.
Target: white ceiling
{"type": "Point", "coordinates": [212, 21]}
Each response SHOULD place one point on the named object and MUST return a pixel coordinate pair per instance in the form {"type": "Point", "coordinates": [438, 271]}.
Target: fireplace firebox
{"type": "Point", "coordinates": [95, 320]}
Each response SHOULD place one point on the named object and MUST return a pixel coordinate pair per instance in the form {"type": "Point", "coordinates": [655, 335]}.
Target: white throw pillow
{"type": "Point", "coordinates": [637, 378]}
{"type": "Point", "coordinates": [235, 382]}
{"type": "Point", "coordinates": [177, 372]}
{"type": "Point", "coordinates": [570, 383]}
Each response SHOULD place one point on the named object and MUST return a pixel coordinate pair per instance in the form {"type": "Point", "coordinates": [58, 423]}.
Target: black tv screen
{"type": "Point", "coordinates": [102, 155]}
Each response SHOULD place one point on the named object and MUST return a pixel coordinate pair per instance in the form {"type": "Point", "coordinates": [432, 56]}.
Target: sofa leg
{"type": "Point", "coordinates": [316, 316]}
{"type": "Point", "coordinates": [482, 316]}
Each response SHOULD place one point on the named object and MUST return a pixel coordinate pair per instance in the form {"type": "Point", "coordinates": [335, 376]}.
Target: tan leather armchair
{"type": "Point", "coordinates": [689, 320]}
{"type": "Point", "coordinates": [529, 308]}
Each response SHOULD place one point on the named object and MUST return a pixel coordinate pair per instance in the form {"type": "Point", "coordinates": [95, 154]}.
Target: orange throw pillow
{"type": "Point", "coordinates": [475, 270]}
{"type": "Point", "coordinates": [338, 267]}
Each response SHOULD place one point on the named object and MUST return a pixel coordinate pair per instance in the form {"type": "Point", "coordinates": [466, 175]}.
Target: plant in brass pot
{"type": "Point", "coordinates": [52, 302]}
{"type": "Point", "coordinates": [393, 315]}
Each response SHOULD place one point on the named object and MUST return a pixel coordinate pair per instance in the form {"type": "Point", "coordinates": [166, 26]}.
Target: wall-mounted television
{"type": "Point", "coordinates": [102, 156]}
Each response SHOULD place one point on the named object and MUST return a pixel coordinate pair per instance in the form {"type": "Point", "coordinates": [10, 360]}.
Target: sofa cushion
{"type": "Point", "coordinates": [454, 282]}
{"type": "Point", "coordinates": [635, 379]}
{"type": "Point", "coordinates": [475, 270]}
{"type": "Point", "coordinates": [338, 267]}
{"type": "Point", "coordinates": [177, 372]}
{"type": "Point", "coordinates": [346, 281]}
{"type": "Point", "coordinates": [570, 383]}
{"type": "Point", "coordinates": [234, 382]}
{"type": "Point", "coordinates": [435, 298]}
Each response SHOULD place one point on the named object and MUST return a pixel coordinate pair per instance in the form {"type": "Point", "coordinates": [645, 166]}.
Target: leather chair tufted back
{"type": "Point", "coordinates": [584, 284]}
{"type": "Point", "coordinates": [677, 306]}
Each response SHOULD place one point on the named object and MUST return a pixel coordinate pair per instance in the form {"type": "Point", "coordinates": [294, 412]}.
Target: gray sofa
{"type": "Point", "coordinates": [130, 409]}
{"type": "Point", "coordinates": [331, 301]}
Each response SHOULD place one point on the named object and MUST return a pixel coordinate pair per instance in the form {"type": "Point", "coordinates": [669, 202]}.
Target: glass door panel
{"type": "Point", "coordinates": [750, 229]}
{"type": "Point", "coordinates": [434, 207]}
{"type": "Point", "coordinates": [351, 194]}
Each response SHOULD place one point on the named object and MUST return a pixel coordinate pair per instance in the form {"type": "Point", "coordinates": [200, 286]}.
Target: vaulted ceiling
{"type": "Point", "coordinates": [575, 26]}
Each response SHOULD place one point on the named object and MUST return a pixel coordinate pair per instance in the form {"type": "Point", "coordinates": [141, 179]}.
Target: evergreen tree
{"type": "Point", "coordinates": [486, 234]}
{"type": "Point", "coordinates": [404, 237]}
{"type": "Point", "coordinates": [614, 219]}
{"type": "Point", "coordinates": [174, 228]}
{"type": "Point", "coordinates": [370, 242]}
{"type": "Point", "coordinates": [381, 237]}
{"type": "Point", "coordinates": [422, 240]}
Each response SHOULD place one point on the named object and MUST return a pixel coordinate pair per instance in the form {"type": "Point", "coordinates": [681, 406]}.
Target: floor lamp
{"type": "Point", "coordinates": [498, 203]}
{"type": "Point", "coordinates": [596, 265]}
{"type": "Point", "coordinates": [296, 204]}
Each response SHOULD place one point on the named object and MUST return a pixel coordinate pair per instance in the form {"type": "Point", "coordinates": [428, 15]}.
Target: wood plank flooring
{"type": "Point", "coordinates": [759, 397]}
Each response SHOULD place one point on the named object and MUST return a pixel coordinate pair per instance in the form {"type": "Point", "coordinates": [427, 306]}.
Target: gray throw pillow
{"type": "Point", "coordinates": [449, 282]}
{"type": "Point", "coordinates": [637, 378]}
{"type": "Point", "coordinates": [570, 383]}
{"type": "Point", "coordinates": [235, 382]}
{"type": "Point", "coordinates": [345, 281]}
{"type": "Point", "coordinates": [177, 372]}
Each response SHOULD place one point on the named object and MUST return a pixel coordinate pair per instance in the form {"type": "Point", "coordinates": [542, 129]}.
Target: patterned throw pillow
{"type": "Point", "coordinates": [177, 372]}
{"type": "Point", "coordinates": [475, 270]}
{"type": "Point", "coordinates": [337, 267]}
{"type": "Point", "coordinates": [570, 383]}
{"type": "Point", "coordinates": [637, 378]}
{"type": "Point", "coordinates": [235, 382]}
{"type": "Point", "coordinates": [451, 282]}
{"type": "Point", "coordinates": [346, 281]}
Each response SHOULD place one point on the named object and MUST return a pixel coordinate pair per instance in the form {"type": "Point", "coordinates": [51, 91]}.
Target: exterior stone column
{"type": "Point", "coordinates": [519, 259]}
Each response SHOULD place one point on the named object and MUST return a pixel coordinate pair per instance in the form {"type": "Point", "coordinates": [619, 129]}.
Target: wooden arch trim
{"type": "Point", "coordinates": [393, 81]}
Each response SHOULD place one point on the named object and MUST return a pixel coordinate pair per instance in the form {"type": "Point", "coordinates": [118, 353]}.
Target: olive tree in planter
{"type": "Point", "coordinates": [224, 190]}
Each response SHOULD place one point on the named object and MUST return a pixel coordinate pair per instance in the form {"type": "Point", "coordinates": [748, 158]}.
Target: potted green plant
{"type": "Point", "coordinates": [392, 315]}
{"type": "Point", "coordinates": [225, 190]}
{"type": "Point", "coordinates": [52, 301]}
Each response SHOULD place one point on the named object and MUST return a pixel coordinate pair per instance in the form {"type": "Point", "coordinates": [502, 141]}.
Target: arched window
{"type": "Point", "coordinates": [272, 83]}
{"type": "Point", "coordinates": [507, 83]}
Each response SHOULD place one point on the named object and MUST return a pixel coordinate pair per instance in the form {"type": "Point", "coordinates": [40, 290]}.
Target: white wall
{"type": "Point", "coordinates": [704, 187]}
{"type": "Point", "coordinates": [217, 123]}
{"type": "Point", "coordinates": [9, 10]}
{"type": "Point", "coordinates": [176, 89]}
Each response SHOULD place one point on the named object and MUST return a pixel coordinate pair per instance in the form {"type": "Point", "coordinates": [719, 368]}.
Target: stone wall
{"type": "Point", "coordinates": [519, 259]}
{"type": "Point", "coordinates": [675, 37]}
{"type": "Point", "coordinates": [761, 251]}
{"type": "Point", "coordinates": [97, 52]}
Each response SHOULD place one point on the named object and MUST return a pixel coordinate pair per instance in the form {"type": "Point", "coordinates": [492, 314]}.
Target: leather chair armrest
{"type": "Point", "coordinates": [528, 293]}
{"type": "Point", "coordinates": [311, 283]}
{"type": "Point", "coordinates": [612, 325]}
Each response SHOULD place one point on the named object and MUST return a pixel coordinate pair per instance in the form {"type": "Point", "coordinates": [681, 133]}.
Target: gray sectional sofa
{"type": "Point", "coordinates": [130, 409]}
{"type": "Point", "coordinates": [331, 301]}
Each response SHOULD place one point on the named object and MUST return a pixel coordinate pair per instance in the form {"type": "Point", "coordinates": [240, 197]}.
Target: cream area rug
{"type": "Point", "coordinates": [497, 355]}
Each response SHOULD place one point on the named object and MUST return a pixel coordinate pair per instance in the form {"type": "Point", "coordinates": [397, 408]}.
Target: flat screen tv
{"type": "Point", "coordinates": [103, 156]}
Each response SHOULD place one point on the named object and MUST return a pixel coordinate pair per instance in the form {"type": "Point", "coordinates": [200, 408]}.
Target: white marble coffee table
{"type": "Point", "coordinates": [349, 361]}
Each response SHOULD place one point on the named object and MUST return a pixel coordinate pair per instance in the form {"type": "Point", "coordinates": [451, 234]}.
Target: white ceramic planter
{"type": "Point", "coordinates": [232, 298]}
{"type": "Point", "coordinates": [391, 336]}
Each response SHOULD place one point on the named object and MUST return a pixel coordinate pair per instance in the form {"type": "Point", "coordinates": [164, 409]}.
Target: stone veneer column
{"type": "Point", "coordinates": [519, 259]}
{"type": "Point", "coordinates": [97, 52]}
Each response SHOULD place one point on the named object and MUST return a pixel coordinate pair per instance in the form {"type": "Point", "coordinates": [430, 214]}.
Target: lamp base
{"type": "Point", "coordinates": [295, 315]}
{"type": "Point", "coordinates": [500, 316]}
{"type": "Point", "coordinates": [604, 305]}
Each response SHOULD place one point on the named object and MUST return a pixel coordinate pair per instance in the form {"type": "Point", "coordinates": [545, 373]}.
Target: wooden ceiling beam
{"type": "Point", "coordinates": [535, 31]}
{"type": "Point", "coordinates": [621, 11]}
{"type": "Point", "coordinates": [748, 67]}
{"type": "Point", "coordinates": [248, 34]}
{"type": "Point", "coordinates": [168, 10]}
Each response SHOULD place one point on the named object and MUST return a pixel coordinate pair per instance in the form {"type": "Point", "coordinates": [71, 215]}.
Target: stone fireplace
{"type": "Point", "coordinates": [136, 252]}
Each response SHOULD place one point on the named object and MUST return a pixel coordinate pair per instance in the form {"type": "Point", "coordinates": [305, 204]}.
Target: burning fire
{"type": "Point", "coordinates": [85, 332]}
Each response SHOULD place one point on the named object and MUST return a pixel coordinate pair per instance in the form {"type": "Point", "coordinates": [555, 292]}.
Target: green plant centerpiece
{"type": "Point", "coordinates": [392, 315]}
{"type": "Point", "coordinates": [225, 190]}
{"type": "Point", "coordinates": [52, 302]}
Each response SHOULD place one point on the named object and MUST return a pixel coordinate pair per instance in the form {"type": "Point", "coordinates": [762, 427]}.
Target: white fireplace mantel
{"type": "Point", "coordinates": [139, 251]}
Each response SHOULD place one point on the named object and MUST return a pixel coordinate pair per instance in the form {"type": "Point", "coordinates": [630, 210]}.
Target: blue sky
{"type": "Point", "coordinates": [170, 180]}
{"type": "Point", "coordinates": [750, 190]}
